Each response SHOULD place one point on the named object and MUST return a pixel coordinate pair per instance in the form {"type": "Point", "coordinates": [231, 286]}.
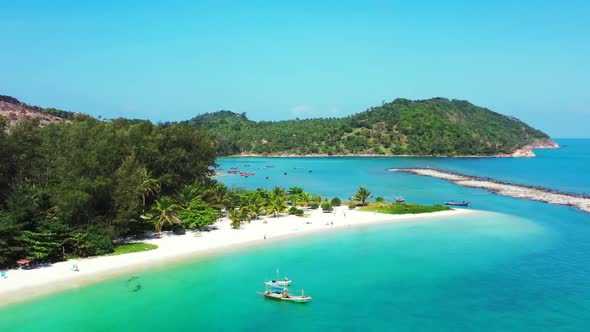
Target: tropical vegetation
{"type": "Point", "coordinates": [76, 189]}
{"type": "Point", "coordinates": [71, 188]}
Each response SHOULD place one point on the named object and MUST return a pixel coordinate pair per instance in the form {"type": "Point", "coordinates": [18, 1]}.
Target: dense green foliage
{"type": "Point", "coordinates": [126, 248]}
{"type": "Point", "coordinates": [71, 188]}
{"type": "Point", "coordinates": [435, 126]}
{"type": "Point", "coordinates": [403, 208]}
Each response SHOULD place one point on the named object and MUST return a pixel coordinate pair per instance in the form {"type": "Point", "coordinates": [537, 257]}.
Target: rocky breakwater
{"type": "Point", "coordinates": [540, 194]}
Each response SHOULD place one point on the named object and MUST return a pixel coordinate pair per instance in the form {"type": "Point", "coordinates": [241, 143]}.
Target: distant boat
{"type": "Point", "coordinates": [458, 203]}
{"type": "Point", "coordinates": [285, 282]}
{"type": "Point", "coordinates": [400, 199]}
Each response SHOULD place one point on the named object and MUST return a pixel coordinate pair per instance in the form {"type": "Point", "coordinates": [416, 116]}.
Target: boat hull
{"type": "Point", "coordinates": [288, 298]}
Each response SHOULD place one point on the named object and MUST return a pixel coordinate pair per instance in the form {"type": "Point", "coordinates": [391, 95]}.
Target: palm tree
{"type": "Point", "coordinates": [363, 195]}
{"type": "Point", "coordinates": [148, 186]}
{"type": "Point", "coordinates": [253, 208]}
{"type": "Point", "coordinates": [295, 191]}
{"type": "Point", "coordinates": [236, 217]}
{"type": "Point", "coordinates": [277, 205]}
{"type": "Point", "coordinates": [278, 191]}
{"type": "Point", "coordinates": [304, 198]}
{"type": "Point", "coordinates": [165, 212]}
{"type": "Point", "coordinates": [187, 196]}
{"type": "Point", "coordinates": [217, 195]}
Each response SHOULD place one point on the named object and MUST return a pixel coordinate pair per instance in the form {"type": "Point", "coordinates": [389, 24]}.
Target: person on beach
{"type": "Point", "coordinates": [75, 267]}
{"type": "Point", "coordinates": [265, 236]}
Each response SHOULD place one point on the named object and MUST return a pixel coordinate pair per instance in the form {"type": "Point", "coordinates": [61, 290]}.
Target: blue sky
{"type": "Point", "coordinates": [284, 59]}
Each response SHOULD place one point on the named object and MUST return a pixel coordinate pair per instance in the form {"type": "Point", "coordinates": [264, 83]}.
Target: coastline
{"type": "Point", "coordinates": [370, 155]}
{"type": "Point", "coordinates": [23, 285]}
{"type": "Point", "coordinates": [540, 194]}
{"type": "Point", "coordinates": [523, 152]}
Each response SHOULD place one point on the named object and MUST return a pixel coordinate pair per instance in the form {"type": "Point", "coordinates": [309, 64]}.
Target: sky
{"type": "Point", "coordinates": [274, 60]}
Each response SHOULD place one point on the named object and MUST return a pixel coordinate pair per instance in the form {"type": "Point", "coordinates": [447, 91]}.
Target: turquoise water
{"type": "Point", "coordinates": [518, 266]}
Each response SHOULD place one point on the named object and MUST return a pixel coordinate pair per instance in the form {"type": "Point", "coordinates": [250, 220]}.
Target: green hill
{"type": "Point", "coordinates": [435, 126]}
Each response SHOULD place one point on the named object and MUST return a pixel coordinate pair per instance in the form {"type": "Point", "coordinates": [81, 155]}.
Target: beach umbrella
{"type": "Point", "coordinates": [23, 263]}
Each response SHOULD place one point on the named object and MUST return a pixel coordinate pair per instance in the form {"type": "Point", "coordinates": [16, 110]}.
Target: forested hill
{"type": "Point", "coordinates": [435, 126]}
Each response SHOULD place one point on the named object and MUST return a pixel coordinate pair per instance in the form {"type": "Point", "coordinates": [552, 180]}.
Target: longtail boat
{"type": "Point", "coordinates": [284, 296]}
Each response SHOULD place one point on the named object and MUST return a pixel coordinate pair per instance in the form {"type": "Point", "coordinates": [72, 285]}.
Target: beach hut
{"type": "Point", "coordinates": [23, 263]}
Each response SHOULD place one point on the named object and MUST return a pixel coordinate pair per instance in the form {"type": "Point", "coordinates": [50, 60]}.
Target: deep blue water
{"type": "Point", "coordinates": [517, 266]}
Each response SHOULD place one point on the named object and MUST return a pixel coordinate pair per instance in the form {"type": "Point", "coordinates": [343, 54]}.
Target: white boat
{"type": "Point", "coordinates": [278, 281]}
{"type": "Point", "coordinates": [285, 282]}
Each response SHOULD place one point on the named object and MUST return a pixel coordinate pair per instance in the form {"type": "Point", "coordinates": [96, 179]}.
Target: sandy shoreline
{"type": "Point", "coordinates": [507, 189]}
{"type": "Point", "coordinates": [21, 285]}
{"type": "Point", "coordinates": [522, 152]}
{"type": "Point", "coordinates": [517, 154]}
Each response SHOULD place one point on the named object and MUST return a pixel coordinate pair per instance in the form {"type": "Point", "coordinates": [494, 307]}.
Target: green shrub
{"type": "Point", "coordinates": [316, 198]}
{"type": "Point", "coordinates": [95, 242]}
{"type": "Point", "coordinates": [352, 207]}
{"type": "Point", "coordinates": [293, 210]}
{"type": "Point", "coordinates": [326, 207]}
{"type": "Point", "coordinates": [336, 201]}
{"type": "Point", "coordinates": [178, 229]}
{"type": "Point", "coordinates": [379, 199]}
{"type": "Point", "coordinates": [299, 213]}
{"type": "Point", "coordinates": [314, 206]}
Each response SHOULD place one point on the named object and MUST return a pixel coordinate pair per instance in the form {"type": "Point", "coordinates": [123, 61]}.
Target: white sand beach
{"type": "Point", "coordinates": [25, 284]}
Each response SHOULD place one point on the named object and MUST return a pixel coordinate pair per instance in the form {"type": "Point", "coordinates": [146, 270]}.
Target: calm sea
{"type": "Point", "coordinates": [517, 266]}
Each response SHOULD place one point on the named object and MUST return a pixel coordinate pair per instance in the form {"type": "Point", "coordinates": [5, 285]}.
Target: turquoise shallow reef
{"type": "Point", "coordinates": [516, 266]}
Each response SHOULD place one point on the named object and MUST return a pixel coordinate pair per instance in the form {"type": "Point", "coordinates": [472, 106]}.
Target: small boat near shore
{"type": "Point", "coordinates": [451, 203]}
{"type": "Point", "coordinates": [400, 199]}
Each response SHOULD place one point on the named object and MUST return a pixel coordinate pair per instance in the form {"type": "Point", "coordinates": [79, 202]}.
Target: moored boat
{"type": "Point", "coordinates": [400, 199]}
{"type": "Point", "coordinates": [458, 203]}
{"type": "Point", "coordinates": [285, 282]}
{"type": "Point", "coordinates": [284, 296]}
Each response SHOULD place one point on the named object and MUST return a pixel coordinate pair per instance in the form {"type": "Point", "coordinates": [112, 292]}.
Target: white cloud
{"type": "Point", "coordinates": [301, 110]}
